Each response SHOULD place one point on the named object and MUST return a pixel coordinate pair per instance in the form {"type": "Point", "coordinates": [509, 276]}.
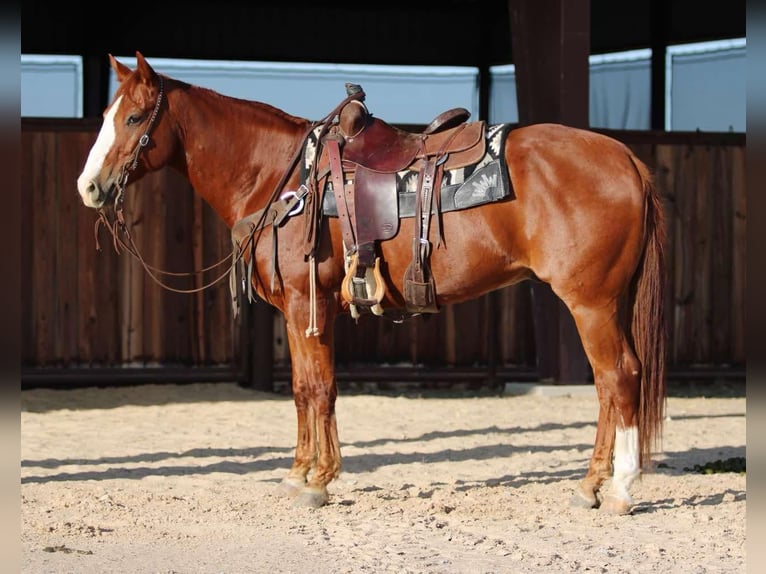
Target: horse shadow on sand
{"type": "Point", "coordinates": [273, 458]}
{"type": "Point", "coordinates": [264, 459]}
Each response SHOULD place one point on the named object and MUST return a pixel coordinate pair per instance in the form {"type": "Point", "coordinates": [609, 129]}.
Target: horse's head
{"type": "Point", "coordinates": [128, 144]}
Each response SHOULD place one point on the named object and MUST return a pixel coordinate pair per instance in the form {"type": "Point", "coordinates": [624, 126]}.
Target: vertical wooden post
{"type": "Point", "coordinates": [551, 44]}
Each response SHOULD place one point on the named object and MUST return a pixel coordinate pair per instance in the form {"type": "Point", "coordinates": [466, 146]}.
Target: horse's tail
{"type": "Point", "coordinates": [648, 319]}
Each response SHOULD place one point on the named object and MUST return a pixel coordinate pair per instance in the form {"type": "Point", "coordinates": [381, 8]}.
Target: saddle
{"type": "Point", "coordinates": [363, 157]}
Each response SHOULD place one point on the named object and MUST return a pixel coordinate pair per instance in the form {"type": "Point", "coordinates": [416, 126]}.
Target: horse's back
{"type": "Point", "coordinates": [570, 157]}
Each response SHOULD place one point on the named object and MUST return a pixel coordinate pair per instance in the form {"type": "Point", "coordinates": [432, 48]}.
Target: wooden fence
{"type": "Point", "coordinates": [92, 309]}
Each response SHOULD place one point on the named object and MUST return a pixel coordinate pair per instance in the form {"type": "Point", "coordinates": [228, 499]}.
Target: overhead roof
{"type": "Point", "coordinates": [444, 32]}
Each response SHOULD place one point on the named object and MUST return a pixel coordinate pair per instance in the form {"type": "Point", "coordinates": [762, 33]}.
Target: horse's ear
{"type": "Point", "coordinates": [120, 69]}
{"type": "Point", "coordinates": [145, 71]}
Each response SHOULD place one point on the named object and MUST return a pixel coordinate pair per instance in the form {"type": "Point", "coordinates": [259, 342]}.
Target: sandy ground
{"type": "Point", "coordinates": [181, 479]}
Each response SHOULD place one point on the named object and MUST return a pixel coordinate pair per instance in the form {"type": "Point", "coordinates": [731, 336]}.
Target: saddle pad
{"type": "Point", "coordinates": [482, 182]}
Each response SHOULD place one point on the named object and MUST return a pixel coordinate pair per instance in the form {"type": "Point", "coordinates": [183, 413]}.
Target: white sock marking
{"type": "Point", "coordinates": [625, 461]}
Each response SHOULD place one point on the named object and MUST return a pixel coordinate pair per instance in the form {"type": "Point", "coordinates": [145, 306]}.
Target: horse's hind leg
{"type": "Point", "coordinates": [616, 372]}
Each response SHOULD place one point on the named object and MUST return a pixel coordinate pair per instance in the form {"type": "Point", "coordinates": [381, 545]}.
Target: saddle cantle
{"type": "Point", "coordinates": [386, 148]}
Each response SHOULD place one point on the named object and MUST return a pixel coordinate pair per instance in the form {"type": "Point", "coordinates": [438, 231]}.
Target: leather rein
{"type": "Point", "coordinates": [119, 227]}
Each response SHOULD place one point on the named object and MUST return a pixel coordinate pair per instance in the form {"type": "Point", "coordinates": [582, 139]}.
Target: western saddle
{"type": "Point", "coordinates": [363, 157]}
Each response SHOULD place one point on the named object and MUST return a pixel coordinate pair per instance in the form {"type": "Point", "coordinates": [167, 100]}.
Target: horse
{"type": "Point", "coordinates": [583, 216]}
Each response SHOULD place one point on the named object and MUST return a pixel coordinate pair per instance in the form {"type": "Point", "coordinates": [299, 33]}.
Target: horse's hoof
{"type": "Point", "coordinates": [616, 505]}
{"type": "Point", "coordinates": [290, 487]}
{"type": "Point", "coordinates": [311, 498]}
{"type": "Point", "coordinates": [581, 500]}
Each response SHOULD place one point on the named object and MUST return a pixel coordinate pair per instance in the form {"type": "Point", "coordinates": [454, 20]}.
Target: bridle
{"type": "Point", "coordinates": [119, 227]}
{"type": "Point", "coordinates": [277, 209]}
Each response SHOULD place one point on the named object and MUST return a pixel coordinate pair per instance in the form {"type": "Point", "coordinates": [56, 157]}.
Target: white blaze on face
{"type": "Point", "coordinates": [96, 157]}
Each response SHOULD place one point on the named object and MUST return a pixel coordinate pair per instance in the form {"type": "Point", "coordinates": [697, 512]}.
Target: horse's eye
{"type": "Point", "coordinates": [133, 120]}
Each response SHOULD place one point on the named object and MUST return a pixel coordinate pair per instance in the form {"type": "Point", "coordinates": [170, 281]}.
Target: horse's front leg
{"type": "Point", "coordinates": [314, 394]}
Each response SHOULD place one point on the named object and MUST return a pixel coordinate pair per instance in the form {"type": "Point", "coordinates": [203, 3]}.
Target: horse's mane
{"type": "Point", "coordinates": [237, 103]}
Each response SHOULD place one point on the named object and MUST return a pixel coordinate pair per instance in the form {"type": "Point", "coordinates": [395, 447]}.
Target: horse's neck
{"type": "Point", "coordinates": [235, 151]}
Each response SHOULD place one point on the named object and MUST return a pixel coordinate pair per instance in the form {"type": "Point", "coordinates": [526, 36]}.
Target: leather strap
{"type": "Point", "coordinates": [420, 245]}
{"type": "Point", "coordinates": [341, 196]}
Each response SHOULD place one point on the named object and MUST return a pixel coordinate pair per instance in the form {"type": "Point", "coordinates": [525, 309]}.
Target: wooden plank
{"type": "Point", "coordinates": [665, 182]}
{"type": "Point", "coordinates": [360, 343]}
{"type": "Point", "coordinates": [67, 248]}
{"type": "Point", "coordinates": [88, 339]}
{"type": "Point", "coordinates": [702, 223]}
{"type": "Point", "coordinates": [43, 191]}
{"type": "Point", "coordinates": [721, 256]}
{"type": "Point", "coordinates": [414, 327]}
{"type": "Point", "coordinates": [739, 255]}
{"type": "Point", "coordinates": [28, 224]}
{"type": "Point", "coordinates": [392, 340]}
{"type": "Point", "coordinates": [429, 340]}
{"type": "Point", "coordinates": [450, 335]}
{"type": "Point", "coordinates": [221, 329]}
{"type": "Point", "coordinates": [471, 332]}
{"type": "Point", "coordinates": [180, 314]}
{"type": "Point", "coordinates": [683, 255]}
{"type": "Point", "coordinates": [506, 335]}
{"type": "Point", "coordinates": [515, 331]}
{"type": "Point", "coordinates": [131, 290]}
{"type": "Point", "coordinates": [198, 248]}
{"type": "Point", "coordinates": [151, 231]}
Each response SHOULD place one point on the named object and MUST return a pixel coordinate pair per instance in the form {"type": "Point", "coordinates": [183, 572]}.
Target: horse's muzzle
{"type": "Point", "coordinates": [95, 196]}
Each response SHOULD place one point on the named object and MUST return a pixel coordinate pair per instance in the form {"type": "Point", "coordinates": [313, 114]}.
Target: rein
{"type": "Point", "coordinates": [120, 226]}
{"type": "Point", "coordinates": [278, 210]}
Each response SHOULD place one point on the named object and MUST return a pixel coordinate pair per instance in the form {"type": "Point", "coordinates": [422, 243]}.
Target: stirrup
{"type": "Point", "coordinates": [347, 287]}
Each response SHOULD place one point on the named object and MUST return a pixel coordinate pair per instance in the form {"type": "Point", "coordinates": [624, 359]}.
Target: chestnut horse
{"type": "Point", "coordinates": [585, 218]}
